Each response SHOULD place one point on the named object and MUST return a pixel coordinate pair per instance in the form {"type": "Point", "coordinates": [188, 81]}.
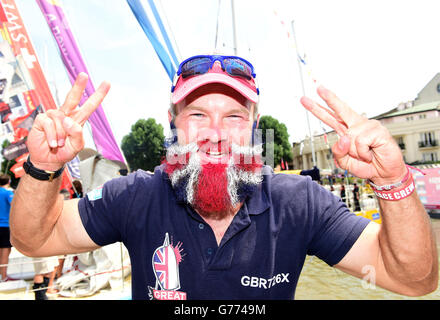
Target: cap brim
{"type": "Point", "coordinates": [183, 89]}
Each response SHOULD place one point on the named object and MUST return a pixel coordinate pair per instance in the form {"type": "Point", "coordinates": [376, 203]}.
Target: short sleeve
{"type": "Point", "coordinates": [10, 196]}
{"type": "Point", "coordinates": [104, 210]}
{"type": "Point", "coordinates": [334, 229]}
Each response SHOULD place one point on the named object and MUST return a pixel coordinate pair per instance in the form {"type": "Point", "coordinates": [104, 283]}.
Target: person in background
{"type": "Point", "coordinates": [343, 196]}
{"type": "Point", "coordinates": [356, 197]}
{"type": "Point", "coordinates": [77, 190]}
{"type": "Point", "coordinates": [6, 196]}
{"type": "Point", "coordinates": [44, 271]}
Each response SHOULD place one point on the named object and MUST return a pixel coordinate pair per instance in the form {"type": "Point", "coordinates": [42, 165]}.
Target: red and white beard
{"type": "Point", "coordinates": [213, 188]}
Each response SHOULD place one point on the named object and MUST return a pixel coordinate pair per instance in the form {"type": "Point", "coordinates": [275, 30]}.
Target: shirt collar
{"type": "Point", "coordinates": [259, 202]}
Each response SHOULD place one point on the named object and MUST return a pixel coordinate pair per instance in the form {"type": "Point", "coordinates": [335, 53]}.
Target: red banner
{"type": "Point", "coordinates": [17, 168]}
{"type": "Point", "coordinates": [3, 17]}
{"type": "Point", "coordinates": [15, 33]}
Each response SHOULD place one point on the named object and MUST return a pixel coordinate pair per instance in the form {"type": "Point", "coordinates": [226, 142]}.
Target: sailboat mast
{"type": "Point", "coordinates": [304, 93]}
{"type": "Point", "coordinates": [234, 33]}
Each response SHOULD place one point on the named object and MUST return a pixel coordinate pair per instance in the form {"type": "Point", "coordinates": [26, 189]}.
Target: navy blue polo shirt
{"type": "Point", "coordinates": [174, 253]}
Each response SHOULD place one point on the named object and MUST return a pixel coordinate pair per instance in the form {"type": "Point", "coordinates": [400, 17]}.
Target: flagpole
{"type": "Point", "coordinates": [304, 93]}
{"type": "Point", "coordinates": [234, 33]}
{"type": "Point", "coordinates": [216, 28]}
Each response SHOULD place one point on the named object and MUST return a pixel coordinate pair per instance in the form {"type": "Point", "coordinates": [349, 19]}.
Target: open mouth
{"type": "Point", "coordinates": [215, 154]}
{"type": "Point", "coordinates": [214, 151]}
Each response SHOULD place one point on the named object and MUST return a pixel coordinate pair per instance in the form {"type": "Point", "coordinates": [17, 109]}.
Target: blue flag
{"type": "Point", "coordinates": [145, 23]}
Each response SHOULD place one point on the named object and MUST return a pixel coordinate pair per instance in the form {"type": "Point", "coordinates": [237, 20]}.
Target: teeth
{"type": "Point", "coordinates": [212, 153]}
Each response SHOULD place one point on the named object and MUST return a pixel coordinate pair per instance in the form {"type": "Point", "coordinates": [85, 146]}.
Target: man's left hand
{"type": "Point", "coordinates": [365, 148]}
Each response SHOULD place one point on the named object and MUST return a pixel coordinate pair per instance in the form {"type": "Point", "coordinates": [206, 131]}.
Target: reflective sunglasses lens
{"type": "Point", "coordinates": [195, 66]}
{"type": "Point", "coordinates": [237, 67]}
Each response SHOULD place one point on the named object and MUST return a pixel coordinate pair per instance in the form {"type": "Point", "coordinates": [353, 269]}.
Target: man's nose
{"type": "Point", "coordinates": [213, 132]}
{"type": "Point", "coordinates": [216, 131]}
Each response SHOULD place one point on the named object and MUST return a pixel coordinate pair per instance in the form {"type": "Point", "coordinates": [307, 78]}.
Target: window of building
{"type": "Point", "coordinates": [422, 116]}
{"type": "Point", "coordinates": [431, 156]}
{"type": "Point", "coordinates": [400, 142]}
{"type": "Point", "coordinates": [427, 139]}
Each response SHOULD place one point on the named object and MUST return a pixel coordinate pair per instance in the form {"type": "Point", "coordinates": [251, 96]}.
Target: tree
{"type": "Point", "coordinates": [281, 145]}
{"type": "Point", "coordinates": [143, 146]}
{"type": "Point", "coordinates": [6, 167]}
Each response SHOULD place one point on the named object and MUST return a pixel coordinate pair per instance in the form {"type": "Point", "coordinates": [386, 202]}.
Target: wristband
{"type": "Point", "coordinates": [399, 193]}
{"type": "Point", "coordinates": [390, 186]}
{"type": "Point", "coordinates": [43, 175]}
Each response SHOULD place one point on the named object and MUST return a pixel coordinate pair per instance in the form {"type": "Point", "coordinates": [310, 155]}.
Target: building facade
{"type": "Point", "coordinates": [415, 125]}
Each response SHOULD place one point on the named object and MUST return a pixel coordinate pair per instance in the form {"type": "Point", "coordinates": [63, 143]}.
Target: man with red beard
{"type": "Point", "coordinates": [213, 222]}
{"type": "Point", "coordinates": [214, 188]}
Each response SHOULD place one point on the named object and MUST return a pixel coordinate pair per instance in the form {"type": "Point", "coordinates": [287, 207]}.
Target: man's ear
{"type": "Point", "coordinates": [172, 139]}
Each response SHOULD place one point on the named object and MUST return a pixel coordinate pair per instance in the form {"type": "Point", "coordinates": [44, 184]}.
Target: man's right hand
{"type": "Point", "coordinates": [56, 136]}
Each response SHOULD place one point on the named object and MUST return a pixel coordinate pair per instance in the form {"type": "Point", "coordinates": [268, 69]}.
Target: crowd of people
{"type": "Point", "coordinates": [46, 269]}
{"type": "Point", "coordinates": [343, 195]}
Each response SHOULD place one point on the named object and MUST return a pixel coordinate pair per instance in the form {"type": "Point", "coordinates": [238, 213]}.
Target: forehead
{"type": "Point", "coordinates": [216, 94]}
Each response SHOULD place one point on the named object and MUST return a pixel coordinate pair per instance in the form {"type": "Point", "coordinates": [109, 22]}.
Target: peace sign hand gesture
{"type": "Point", "coordinates": [56, 136]}
{"type": "Point", "coordinates": [365, 148]}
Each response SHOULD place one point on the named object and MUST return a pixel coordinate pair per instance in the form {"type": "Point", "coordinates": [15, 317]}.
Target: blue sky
{"type": "Point", "coordinates": [373, 54]}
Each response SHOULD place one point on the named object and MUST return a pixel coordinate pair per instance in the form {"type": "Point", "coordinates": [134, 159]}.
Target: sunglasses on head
{"type": "Point", "coordinates": [233, 65]}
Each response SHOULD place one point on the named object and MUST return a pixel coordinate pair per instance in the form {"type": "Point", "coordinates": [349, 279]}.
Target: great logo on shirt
{"type": "Point", "coordinates": [165, 263]}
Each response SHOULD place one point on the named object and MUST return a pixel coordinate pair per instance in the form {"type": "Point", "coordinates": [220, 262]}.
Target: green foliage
{"type": "Point", "coordinates": [420, 162]}
{"type": "Point", "coordinates": [6, 167]}
{"type": "Point", "coordinates": [281, 145]}
{"type": "Point", "coordinates": [143, 146]}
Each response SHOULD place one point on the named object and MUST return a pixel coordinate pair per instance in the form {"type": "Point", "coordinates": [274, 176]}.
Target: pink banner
{"type": "Point", "coordinates": [101, 131]}
{"type": "Point", "coordinates": [428, 187]}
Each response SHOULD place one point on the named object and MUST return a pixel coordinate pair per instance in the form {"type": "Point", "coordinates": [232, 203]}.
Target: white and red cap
{"type": "Point", "coordinates": [184, 86]}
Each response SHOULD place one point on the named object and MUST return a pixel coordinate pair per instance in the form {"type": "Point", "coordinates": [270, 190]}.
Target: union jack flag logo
{"type": "Point", "coordinates": [165, 267]}
{"type": "Point", "coordinates": [161, 266]}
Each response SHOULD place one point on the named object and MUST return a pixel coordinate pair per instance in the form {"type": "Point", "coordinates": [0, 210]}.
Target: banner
{"type": "Point", "coordinates": [14, 84]}
{"type": "Point", "coordinates": [6, 131]}
{"type": "Point", "coordinates": [15, 33]}
{"type": "Point", "coordinates": [145, 23]}
{"type": "Point", "coordinates": [163, 32]}
{"type": "Point", "coordinates": [25, 88]}
{"type": "Point", "coordinates": [15, 150]}
{"type": "Point", "coordinates": [428, 187]}
{"type": "Point", "coordinates": [17, 168]}
{"type": "Point", "coordinates": [73, 167]}
{"type": "Point", "coordinates": [3, 17]}
{"type": "Point", "coordinates": [71, 56]}
{"type": "Point", "coordinates": [23, 125]}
